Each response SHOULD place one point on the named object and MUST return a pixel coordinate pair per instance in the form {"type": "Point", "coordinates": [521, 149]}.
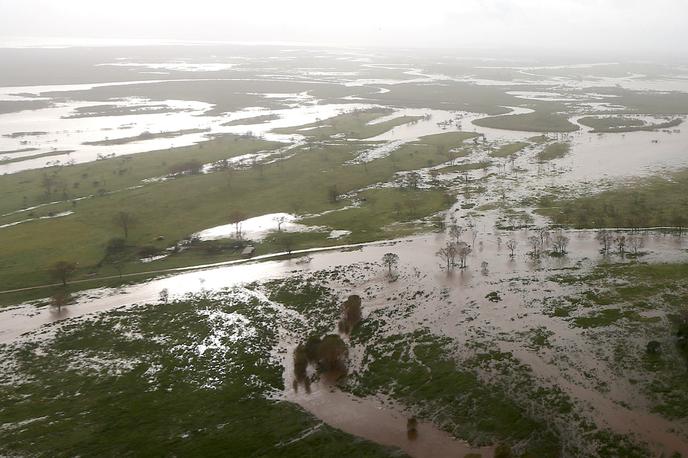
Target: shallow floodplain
{"type": "Point", "coordinates": [544, 342]}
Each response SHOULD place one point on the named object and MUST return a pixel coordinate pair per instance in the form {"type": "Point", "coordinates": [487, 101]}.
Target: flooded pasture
{"type": "Point", "coordinates": [506, 298]}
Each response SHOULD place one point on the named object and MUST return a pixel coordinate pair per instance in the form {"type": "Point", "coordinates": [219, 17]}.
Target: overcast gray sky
{"type": "Point", "coordinates": [605, 25]}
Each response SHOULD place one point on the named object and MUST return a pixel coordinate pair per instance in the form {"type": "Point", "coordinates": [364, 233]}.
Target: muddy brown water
{"type": "Point", "coordinates": [383, 422]}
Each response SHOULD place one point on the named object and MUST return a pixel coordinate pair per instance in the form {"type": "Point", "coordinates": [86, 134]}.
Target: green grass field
{"type": "Point", "coordinates": [554, 151]}
{"type": "Point", "coordinates": [354, 125]}
{"type": "Point", "coordinates": [81, 393]}
{"type": "Point", "coordinates": [509, 149]}
{"type": "Point", "coordinates": [538, 121]}
{"type": "Point", "coordinates": [620, 124]}
{"type": "Point", "coordinates": [644, 202]}
{"type": "Point", "coordinates": [176, 208]}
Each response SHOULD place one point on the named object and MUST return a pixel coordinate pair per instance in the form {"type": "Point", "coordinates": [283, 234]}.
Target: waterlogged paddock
{"type": "Point", "coordinates": [542, 342]}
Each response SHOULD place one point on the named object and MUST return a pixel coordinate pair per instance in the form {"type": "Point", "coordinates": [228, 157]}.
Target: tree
{"type": "Point", "coordinates": [235, 218]}
{"type": "Point", "coordinates": [474, 235]}
{"type": "Point", "coordinates": [412, 180]}
{"type": "Point", "coordinates": [543, 234]}
{"type": "Point", "coordinates": [462, 251]}
{"type": "Point", "coordinates": [511, 244]}
{"type": "Point", "coordinates": [620, 242]}
{"type": "Point", "coordinates": [606, 239]}
{"type": "Point", "coordinates": [653, 347]}
{"type": "Point", "coordinates": [60, 298]}
{"type": "Point", "coordinates": [332, 354]}
{"type": "Point", "coordinates": [286, 241]}
{"type": "Point", "coordinates": [536, 245]}
{"type": "Point", "coordinates": [560, 242]}
{"type": "Point", "coordinates": [281, 219]}
{"type": "Point", "coordinates": [448, 255]}
{"type": "Point", "coordinates": [312, 349]}
{"type": "Point", "coordinates": [115, 245]}
{"type": "Point", "coordinates": [679, 222]}
{"type": "Point", "coordinates": [62, 270]}
{"type": "Point", "coordinates": [635, 243]}
{"type": "Point", "coordinates": [351, 314]}
{"type": "Point", "coordinates": [390, 260]}
{"type": "Point", "coordinates": [124, 221]}
{"type": "Point", "coordinates": [455, 232]}
{"type": "Point", "coordinates": [300, 362]}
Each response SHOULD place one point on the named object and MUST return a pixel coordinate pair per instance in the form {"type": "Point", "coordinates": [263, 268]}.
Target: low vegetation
{"type": "Point", "coordinates": [645, 202]}
{"type": "Point", "coordinates": [554, 151]}
{"type": "Point", "coordinates": [195, 375]}
{"type": "Point", "coordinates": [509, 149]}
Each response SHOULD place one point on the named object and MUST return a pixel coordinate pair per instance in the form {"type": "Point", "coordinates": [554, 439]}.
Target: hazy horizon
{"type": "Point", "coordinates": [575, 28]}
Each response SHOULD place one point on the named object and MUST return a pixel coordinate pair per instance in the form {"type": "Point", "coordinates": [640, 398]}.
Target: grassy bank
{"type": "Point", "coordinates": [193, 376]}
{"type": "Point", "coordinates": [538, 121]}
{"type": "Point", "coordinates": [645, 202]}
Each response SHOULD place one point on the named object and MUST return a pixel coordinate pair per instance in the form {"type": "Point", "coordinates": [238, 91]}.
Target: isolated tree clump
{"type": "Point", "coordinates": [390, 261]}
{"type": "Point", "coordinates": [606, 239]}
{"type": "Point", "coordinates": [311, 347]}
{"type": "Point", "coordinates": [351, 314]}
{"type": "Point", "coordinates": [448, 255]}
{"type": "Point", "coordinates": [332, 354]}
{"type": "Point", "coordinates": [560, 243]}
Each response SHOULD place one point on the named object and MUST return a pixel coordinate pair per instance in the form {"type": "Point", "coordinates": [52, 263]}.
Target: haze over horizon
{"type": "Point", "coordinates": [571, 27]}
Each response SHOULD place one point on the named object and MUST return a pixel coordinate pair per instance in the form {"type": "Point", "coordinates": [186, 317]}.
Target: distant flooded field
{"type": "Point", "coordinates": [394, 254]}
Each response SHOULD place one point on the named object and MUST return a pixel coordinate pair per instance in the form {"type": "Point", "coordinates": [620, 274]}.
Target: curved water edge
{"type": "Point", "coordinates": [377, 421]}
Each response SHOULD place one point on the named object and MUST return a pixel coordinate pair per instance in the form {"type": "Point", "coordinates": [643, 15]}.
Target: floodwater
{"type": "Point", "coordinates": [255, 228]}
{"type": "Point", "coordinates": [420, 271]}
{"type": "Point", "coordinates": [71, 134]}
{"type": "Point", "coordinates": [595, 158]}
{"type": "Point", "coordinates": [377, 421]}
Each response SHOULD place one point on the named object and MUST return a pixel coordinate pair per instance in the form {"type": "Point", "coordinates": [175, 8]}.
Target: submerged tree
{"type": "Point", "coordinates": [620, 242]}
{"type": "Point", "coordinates": [560, 243]}
{"type": "Point", "coordinates": [536, 246]}
{"type": "Point", "coordinates": [606, 239]}
{"type": "Point", "coordinates": [635, 243]}
{"type": "Point", "coordinates": [390, 261]}
{"type": "Point", "coordinates": [60, 298]}
{"type": "Point", "coordinates": [462, 251]}
{"type": "Point", "coordinates": [511, 244]}
{"type": "Point", "coordinates": [448, 255]}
